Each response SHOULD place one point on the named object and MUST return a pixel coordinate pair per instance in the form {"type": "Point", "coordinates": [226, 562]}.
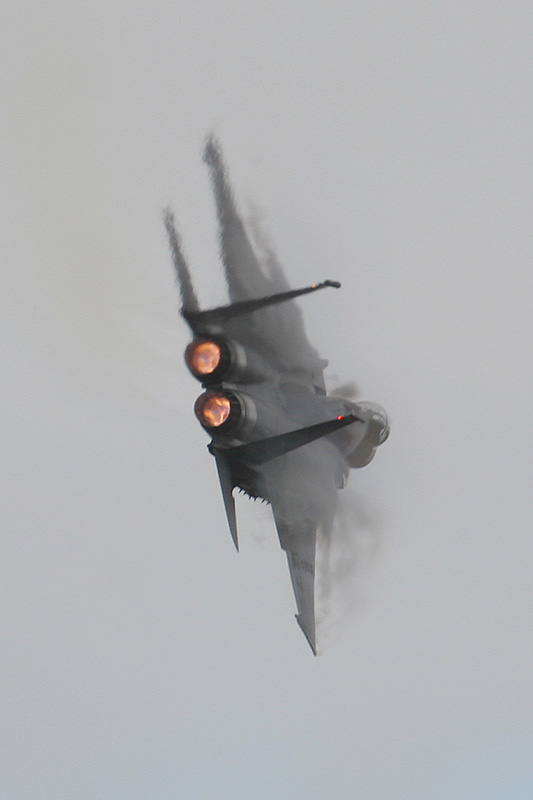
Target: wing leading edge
{"type": "Point", "coordinates": [264, 322]}
{"type": "Point", "coordinates": [298, 539]}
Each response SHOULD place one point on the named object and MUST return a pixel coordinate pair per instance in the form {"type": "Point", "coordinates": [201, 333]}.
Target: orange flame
{"type": "Point", "coordinates": [203, 357]}
{"type": "Point", "coordinates": [213, 409]}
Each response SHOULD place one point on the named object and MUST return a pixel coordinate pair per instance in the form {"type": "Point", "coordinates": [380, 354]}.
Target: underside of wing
{"type": "Point", "coordinates": [227, 486]}
{"type": "Point", "coordinates": [299, 542]}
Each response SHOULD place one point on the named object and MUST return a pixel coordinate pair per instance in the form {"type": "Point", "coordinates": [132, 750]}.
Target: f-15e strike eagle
{"type": "Point", "coordinates": [275, 433]}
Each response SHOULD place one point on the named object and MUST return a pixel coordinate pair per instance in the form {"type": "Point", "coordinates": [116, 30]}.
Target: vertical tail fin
{"type": "Point", "coordinates": [244, 275]}
{"type": "Point", "coordinates": [189, 300]}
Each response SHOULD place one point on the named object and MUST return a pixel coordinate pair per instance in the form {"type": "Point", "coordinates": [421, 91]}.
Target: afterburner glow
{"type": "Point", "coordinates": [203, 357]}
{"type": "Point", "coordinates": [212, 409]}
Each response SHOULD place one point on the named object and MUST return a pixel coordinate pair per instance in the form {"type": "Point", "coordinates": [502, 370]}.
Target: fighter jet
{"type": "Point", "coordinates": [275, 432]}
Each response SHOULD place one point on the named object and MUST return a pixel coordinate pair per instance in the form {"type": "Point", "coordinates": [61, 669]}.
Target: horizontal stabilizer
{"type": "Point", "coordinates": [203, 321]}
{"type": "Point", "coordinates": [265, 450]}
{"type": "Point", "coordinates": [226, 484]}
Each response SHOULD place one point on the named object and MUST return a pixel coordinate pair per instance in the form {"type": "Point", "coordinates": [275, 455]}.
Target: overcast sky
{"type": "Point", "coordinates": [383, 144]}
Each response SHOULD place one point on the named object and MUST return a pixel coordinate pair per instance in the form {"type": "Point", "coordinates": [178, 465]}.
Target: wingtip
{"type": "Point", "coordinates": [308, 629]}
{"type": "Point", "coordinates": [226, 486]}
{"type": "Point", "coordinates": [232, 523]}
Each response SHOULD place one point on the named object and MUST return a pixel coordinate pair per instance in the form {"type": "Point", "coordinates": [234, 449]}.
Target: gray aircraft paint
{"type": "Point", "coordinates": [287, 391]}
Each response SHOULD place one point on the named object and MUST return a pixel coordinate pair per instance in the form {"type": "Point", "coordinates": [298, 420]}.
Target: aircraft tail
{"type": "Point", "coordinates": [188, 296]}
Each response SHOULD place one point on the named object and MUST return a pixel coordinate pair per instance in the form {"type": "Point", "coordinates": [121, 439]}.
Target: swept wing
{"type": "Point", "coordinates": [273, 430]}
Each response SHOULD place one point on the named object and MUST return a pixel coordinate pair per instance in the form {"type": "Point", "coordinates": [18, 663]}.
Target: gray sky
{"type": "Point", "coordinates": [386, 145]}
